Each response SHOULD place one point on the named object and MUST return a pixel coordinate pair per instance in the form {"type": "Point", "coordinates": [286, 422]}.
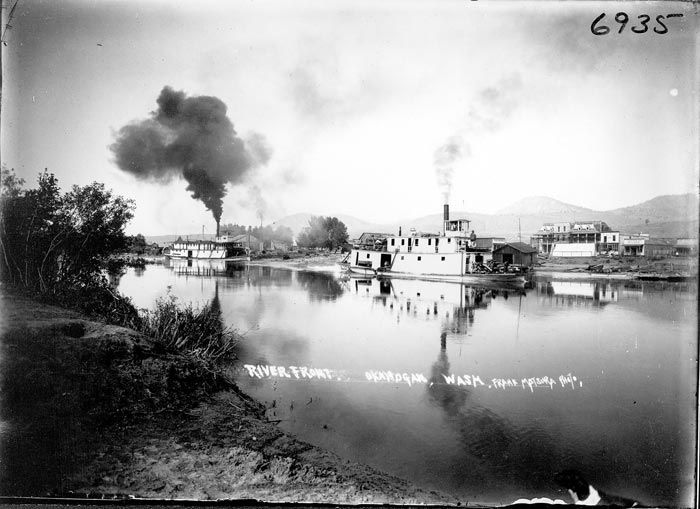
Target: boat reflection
{"type": "Point", "coordinates": [453, 303]}
{"type": "Point", "coordinates": [577, 293]}
{"type": "Point", "coordinates": [496, 447]}
{"type": "Point", "coordinates": [203, 268]}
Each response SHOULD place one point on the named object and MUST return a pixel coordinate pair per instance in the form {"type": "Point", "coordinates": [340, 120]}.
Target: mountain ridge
{"type": "Point", "coordinates": [661, 216]}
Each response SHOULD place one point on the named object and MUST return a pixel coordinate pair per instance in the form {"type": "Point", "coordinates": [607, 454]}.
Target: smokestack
{"type": "Point", "coordinates": [217, 229]}
{"type": "Point", "coordinates": [446, 212]}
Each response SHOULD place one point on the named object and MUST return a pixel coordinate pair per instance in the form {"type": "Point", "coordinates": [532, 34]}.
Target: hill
{"type": "Point", "coordinates": [542, 205]}
{"type": "Point", "coordinates": [662, 216]}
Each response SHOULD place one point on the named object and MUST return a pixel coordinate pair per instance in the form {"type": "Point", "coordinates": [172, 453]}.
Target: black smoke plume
{"type": "Point", "coordinates": [189, 137]}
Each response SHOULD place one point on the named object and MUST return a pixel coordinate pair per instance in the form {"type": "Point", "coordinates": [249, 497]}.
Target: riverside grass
{"type": "Point", "coordinates": [196, 331]}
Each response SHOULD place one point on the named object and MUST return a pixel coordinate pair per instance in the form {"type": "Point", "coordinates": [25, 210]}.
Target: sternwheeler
{"type": "Point", "coordinates": [454, 255]}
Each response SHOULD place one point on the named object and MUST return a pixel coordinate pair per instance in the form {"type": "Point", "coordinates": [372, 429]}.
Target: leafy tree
{"type": "Point", "coordinates": [52, 242]}
{"type": "Point", "coordinates": [337, 232]}
{"type": "Point", "coordinates": [137, 244]}
{"type": "Point", "coordinates": [327, 232]}
{"type": "Point", "coordinates": [10, 183]}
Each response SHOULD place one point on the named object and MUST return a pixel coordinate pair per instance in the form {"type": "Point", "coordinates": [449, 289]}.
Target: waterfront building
{"type": "Point", "coordinates": [642, 244]}
{"type": "Point", "coordinates": [517, 253]}
{"type": "Point", "coordinates": [686, 247]}
{"type": "Point", "coordinates": [591, 238]}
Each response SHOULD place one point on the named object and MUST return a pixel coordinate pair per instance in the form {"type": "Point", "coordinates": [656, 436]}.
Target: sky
{"type": "Point", "coordinates": [377, 109]}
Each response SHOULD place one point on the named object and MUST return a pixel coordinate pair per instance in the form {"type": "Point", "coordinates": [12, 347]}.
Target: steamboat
{"type": "Point", "coordinates": [453, 255]}
{"type": "Point", "coordinates": [222, 247]}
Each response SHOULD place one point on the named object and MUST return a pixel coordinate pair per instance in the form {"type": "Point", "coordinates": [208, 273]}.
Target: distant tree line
{"type": "Point", "coordinates": [325, 232]}
{"type": "Point", "coordinates": [263, 233]}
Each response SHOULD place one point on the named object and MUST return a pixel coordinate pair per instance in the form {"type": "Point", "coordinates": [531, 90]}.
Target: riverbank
{"type": "Point", "coordinates": [96, 409]}
{"type": "Point", "coordinates": [317, 262]}
{"type": "Point", "coordinates": [597, 268]}
{"type": "Point", "coordinates": [601, 267]}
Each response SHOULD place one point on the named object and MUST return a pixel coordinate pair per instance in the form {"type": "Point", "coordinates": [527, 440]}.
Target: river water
{"type": "Point", "coordinates": [481, 392]}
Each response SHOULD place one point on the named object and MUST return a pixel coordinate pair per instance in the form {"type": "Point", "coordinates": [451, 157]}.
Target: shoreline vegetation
{"type": "Point", "coordinates": [107, 411]}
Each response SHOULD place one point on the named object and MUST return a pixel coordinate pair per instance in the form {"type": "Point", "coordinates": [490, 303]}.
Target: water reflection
{"type": "Point", "coordinates": [320, 286]}
{"type": "Point", "coordinates": [632, 343]}
{"type": "Point", "coordinates": [203, 268]}
{"type": "Point", "coordinates": [577, 293]}
{"type": "Point", "coordinates": [496, 448]}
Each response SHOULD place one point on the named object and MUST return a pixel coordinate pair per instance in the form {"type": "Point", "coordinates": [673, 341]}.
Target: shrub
{"type": "Point", "coordinates": [196, 331]}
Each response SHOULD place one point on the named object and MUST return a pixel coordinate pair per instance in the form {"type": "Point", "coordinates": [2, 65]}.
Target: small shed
{"type": "Point", "coordinates": [686, 247]}
{"type": "Point", "coordinates": [370, 239]}
{"type": "Point", "coordinates": [659, 247]}
{"type": "Point", "coordinates": [515, 253]}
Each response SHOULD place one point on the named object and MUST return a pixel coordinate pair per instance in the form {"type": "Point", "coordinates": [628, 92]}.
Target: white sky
{"type": "Point", "coordinates": [355, 98]}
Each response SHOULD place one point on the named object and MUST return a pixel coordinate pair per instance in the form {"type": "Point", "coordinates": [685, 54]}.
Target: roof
{"type": "Point", "coordinates": [373, 235]}
{"type": "Point", "coordinates": [518, 246]}
{"type": "Point", "coordinates": [660, 242]}
{"type": "Point", "coordinates": [243, 238]}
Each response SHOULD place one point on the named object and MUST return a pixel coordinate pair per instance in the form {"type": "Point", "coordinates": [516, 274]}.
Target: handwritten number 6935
{"type": "Point", "coordinates": [597, 28]}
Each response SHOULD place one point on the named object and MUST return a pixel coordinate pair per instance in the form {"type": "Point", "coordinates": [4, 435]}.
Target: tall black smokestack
{"type": "Point", "coordinates": [446, 212]}
{"type": "Point", "coordinates": [217, 228]}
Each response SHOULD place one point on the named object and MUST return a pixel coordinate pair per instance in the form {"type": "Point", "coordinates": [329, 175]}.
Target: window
{"type": "Point", "coordinates": [442, 258]}
{"type": "Point", "coordinates": [449, 240]}
{"type": "Point", "coordinates": [402, 257]}
{"type": "Point", "coordinates": [419, 258]}
{"type": "Point", "coordinates": [392, 241]}
{"type": "Point", "coordinates": [403, 241]}
{"type": "Point", "coordinates": [416, 242]}
{"type": "Point", "coordinates": [613, 238]}
{"type": "Point", "coordinates": [367, 255]}
{"type": "Point", "coordinates": [428, 241]}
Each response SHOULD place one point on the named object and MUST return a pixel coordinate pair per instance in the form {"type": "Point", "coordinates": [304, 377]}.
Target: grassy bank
{"type": "Point", "coordinates": [92, 408]}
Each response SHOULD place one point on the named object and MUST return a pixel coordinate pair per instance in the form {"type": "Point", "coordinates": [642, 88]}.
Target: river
{"type": "Point", "coordinates": [481, 392]}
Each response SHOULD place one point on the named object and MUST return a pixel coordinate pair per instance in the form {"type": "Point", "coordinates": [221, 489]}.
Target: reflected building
{"type": "Point", "coordinates": [577, 293]}
{"type": "Point", "coordinates": [203, 268]}
{"type": "Point", "coordinates": [453, 303]}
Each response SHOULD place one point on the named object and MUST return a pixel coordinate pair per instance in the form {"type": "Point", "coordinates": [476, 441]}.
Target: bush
{"type": "Point", "coordinates": [198, 332]}
{"type": "Point", "coordinates": [50, 241]}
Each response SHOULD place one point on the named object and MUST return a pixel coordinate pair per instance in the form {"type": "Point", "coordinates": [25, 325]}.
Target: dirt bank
{"type": "Point", "coordinates": [98, 409]}
{"type": "Point", "coordinates": [603, 267]}
{"type": "Point", "coordinates": [317, 262]}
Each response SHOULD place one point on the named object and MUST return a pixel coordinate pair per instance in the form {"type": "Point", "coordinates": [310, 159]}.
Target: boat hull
{"type": "Point", "coordinates": [199, 255]}
{"type": "Point", "coordinates": [363, 271]}
{"type": "Point", "coordinates": [461, 278]}
{"type": "Point", "coordinates": [464, 278]}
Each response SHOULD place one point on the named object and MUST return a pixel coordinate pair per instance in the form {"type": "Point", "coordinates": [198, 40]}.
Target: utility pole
{"type": "Point", "coordinates": [520, 238]}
